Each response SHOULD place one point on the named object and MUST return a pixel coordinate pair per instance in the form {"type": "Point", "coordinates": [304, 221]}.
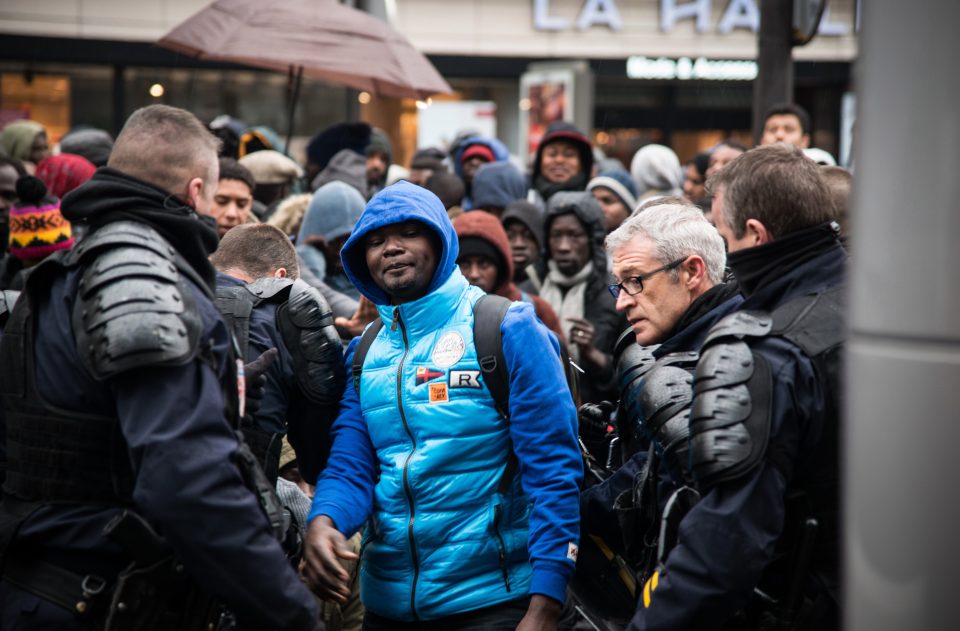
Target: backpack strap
{"type": "Point", "coordinates": [488, 313]}
{"type": "Point", "coordinates": [235, 305]}
{"type": "Point", "coordinates": [366, 340]}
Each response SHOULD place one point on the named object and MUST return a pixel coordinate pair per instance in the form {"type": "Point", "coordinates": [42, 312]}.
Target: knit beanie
{"type": "Point", "coordinates": [479, 150]}
{"type": "Point", "coordinates": [64, 172]}
{"type": "Point", "coordinates": [477, 246]}
{"type": "Point", "coordinates": [37, 229]}
{"type": "Point", "coordinates": [620, 183]}
{"type": "Point", "coordinates": [380, 143]}
{"type": "Point", "coordinates": [428, 158]}
{"type": "Point", "coordinates": [93, 144]}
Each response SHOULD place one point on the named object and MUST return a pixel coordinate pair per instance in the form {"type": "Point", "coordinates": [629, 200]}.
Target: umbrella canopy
{"type": "Point", "coordinates": [328, 40]}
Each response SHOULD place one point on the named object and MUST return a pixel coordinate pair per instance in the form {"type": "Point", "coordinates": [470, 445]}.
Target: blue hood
{"type": "Point", "coordinates": [500, 152]}
{"type": "Point", "coordinates": [496, 184]}
{"type": "Point", "coordinates": [400, 202]}
{"type": "Point", "coordinates": [333, 210]}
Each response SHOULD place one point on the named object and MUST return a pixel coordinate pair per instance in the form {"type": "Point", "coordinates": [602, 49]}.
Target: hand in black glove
{"type": "Point", "coordinates": [255, 375]}
{"type": "Point", "coordinates": [596, 428]}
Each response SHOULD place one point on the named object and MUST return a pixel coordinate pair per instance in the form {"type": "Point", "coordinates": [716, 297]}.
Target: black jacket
{"type": "Point", "coordinates": [180, 443]}
{"type": "Point", "coordinates": [728, 541]}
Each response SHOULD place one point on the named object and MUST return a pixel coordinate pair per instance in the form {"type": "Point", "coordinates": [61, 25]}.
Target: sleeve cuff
{"type": "Point", "coordinates": [550, 579]}
{"type": "Point", "coordinates": [339, 517]}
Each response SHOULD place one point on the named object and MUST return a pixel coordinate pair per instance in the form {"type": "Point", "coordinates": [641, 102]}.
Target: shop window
{"type": "Point", "coordinates": [44, 98]}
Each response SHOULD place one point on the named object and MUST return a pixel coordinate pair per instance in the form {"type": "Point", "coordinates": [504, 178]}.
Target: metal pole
{"type": "Point", "coordinates": [774, 82]}
{"type": "Point", "coordinates": [294, 94]}
{"type": "Point", "coordinates": [901, 546]}
{"type": "Point", "coordinates": [119, 98]}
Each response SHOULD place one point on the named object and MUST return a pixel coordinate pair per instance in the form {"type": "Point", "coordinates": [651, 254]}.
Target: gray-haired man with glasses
{"type": "Point", "coordinates": [668, 266]}
{"type": "Point", "coordinates": [668, 279]}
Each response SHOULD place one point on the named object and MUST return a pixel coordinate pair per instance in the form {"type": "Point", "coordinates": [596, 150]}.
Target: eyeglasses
{"type": "Point", "coordinates": [633, 285]}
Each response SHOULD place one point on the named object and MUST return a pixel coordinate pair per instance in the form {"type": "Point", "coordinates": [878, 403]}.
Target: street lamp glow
{"type": "Point", "coordinates": [156, 90]}
{"type": "Point", "coordinates": [363, 98]}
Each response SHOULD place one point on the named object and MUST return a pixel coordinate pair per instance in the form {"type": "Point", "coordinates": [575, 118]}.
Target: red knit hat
{"type": "Point", "coordinates": [64, 172]}
{"type": "Point", "coordinates": [482, 151]}
{"type": "Point", "coordinates": [37, 229]}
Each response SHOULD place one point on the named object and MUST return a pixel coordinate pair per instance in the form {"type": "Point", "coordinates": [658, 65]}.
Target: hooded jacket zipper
{"type": "Point", "coordinates": [406, 464]}
{"type": "Point", "coordinates": [502, 547]}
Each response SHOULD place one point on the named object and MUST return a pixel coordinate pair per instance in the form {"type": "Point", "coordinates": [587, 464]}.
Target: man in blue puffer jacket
{"type": "Point", "coordinates": [457, 535]}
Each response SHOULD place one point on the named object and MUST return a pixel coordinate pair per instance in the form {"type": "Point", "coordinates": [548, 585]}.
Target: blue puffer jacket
{"type": "Point", "coordinates": [421, 451]}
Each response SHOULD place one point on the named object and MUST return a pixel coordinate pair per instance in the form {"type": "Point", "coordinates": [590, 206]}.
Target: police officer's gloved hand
{"type": "Point", "coordinates": [596, 429]}
{"type": "Point", "coordinates": [255, 374]}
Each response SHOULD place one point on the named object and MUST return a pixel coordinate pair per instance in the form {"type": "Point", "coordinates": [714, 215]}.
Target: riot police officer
{"type": "Point", "coordinates": [266, 305]}
{"type": "Point", "coordinates": [668, 264]}
{"type": "Point", "coordinates": [759, 549]}
{"type": "Point", "coordinates": [127, 500]}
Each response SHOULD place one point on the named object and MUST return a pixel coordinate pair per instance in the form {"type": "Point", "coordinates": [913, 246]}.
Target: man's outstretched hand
{"type": "Point", "coordinates": [365, 314]}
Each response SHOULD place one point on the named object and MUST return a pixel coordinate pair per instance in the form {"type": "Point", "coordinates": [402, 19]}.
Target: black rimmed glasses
{"type": "Point", "coordinates": [633, 285]}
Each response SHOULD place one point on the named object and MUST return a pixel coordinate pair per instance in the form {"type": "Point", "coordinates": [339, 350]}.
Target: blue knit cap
{"type": "Point", "coordinates": [620, 182]}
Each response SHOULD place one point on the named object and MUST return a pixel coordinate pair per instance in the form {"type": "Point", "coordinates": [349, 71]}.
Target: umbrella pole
{"type": "Point", "coordinates": [294, 93]}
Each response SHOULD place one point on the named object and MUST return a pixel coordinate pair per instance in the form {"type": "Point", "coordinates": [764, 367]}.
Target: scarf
{"type": "Point", "coordinates": [567, 295]}
{"type": "Point", "coordinates": [546, 188]}
{"type": "Point", "coordinates": [704, 304]}
{"type": "Point", "coordinates": [758, 267]}
{"type": "Point", "coordinates": [111, 195]}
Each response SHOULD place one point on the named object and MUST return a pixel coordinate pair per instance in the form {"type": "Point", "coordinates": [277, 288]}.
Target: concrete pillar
{"type": "Point", "coordinates": [902, 465]}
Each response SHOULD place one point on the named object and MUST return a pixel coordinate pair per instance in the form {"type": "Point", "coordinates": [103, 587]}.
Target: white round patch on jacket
{"type": "Point", "coordinates": [449, 350]}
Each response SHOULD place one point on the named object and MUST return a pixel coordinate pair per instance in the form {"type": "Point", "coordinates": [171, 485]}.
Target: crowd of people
{"type": "Point", "coordinates": [463, 393]}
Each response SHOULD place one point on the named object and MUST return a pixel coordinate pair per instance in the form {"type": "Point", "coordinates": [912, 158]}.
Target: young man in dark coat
{"type": "Point", "coordinates": [572, 278]}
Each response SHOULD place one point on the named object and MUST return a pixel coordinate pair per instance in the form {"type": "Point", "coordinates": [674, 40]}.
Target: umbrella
{"type": "Point", "coordinates": [317, 38]}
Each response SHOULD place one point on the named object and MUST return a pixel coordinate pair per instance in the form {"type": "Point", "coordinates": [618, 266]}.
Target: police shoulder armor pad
{"type": "Point", "coordinates": [306, 324]}
{"type": "Point", "coordinates": [633, 362]}
{"type": "Point", "coordinates": [730, 418]}
{"type": "Point", "coordinates": [135, 305]}
{"type": "Point", "coordinates": [662, 408]}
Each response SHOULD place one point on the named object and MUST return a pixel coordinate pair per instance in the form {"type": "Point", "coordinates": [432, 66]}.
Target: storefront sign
{"type": "Point", "coordinates": [737, 14]}
{"type": "Point", "coordinates": [743, 14]}
{"type": "Point", "coordinates": [593, 13]}
{"type": "Point", "coordinates": [703, 69]}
